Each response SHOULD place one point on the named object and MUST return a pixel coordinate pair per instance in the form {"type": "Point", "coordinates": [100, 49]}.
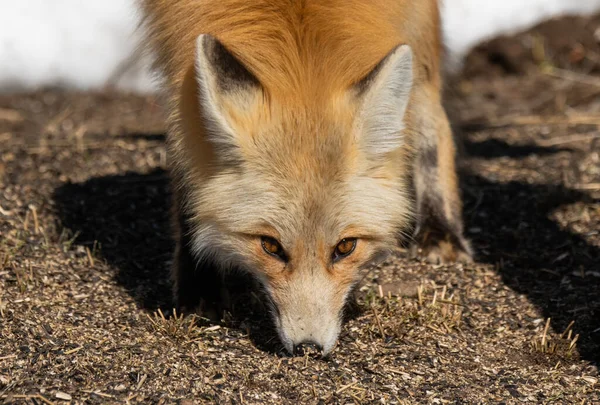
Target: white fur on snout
{"type": "Point", "coordinates": [320, 331]}
{"type": "Point", "coordinates": [309, 312]}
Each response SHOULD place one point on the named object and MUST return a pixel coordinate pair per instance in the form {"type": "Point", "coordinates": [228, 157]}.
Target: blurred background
{"type": "Point", "coordinates": [92, 44]}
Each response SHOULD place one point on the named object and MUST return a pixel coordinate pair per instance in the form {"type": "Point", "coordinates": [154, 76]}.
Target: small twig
{"type": "Point", "coordinates": [435, 329]}
{"type": "Point", "coordinates": [572, 76]}
{"type": "Point", "coordinates": [393, 370]}
{"type": "Point", "coordinates": [451, 303]}
{"type": "Point", "coordinates": [420, 294]}
{"type": "Point", "coordinates": [4, 261]}
{"type": "Point", "coordinates": [586, 187]}
{"type": "Point", "coordinates": [37, 396]}
{"type": "Point", "coordinates": [142, 381]}
{"type": "Point", "coordinates": [378, 323]}
{"type": "Point", "coordinates": [345, 387]}
{"type": "Point", "coordinates": [151, 319]}
{"type": "Point", "coordinates": [89, 256]}
{"type": "Point", "coordinates": [43, 399]}
{"type": "Point", "coordinates": [75, 350]}
{"type": "Point", "coordinates": [100, 394]}
{"type": "Point", "coordinates": [573, 342]}
{"type": "Point", "coordinates": [130, 398]}
{"type": "Point", "coordinates": [569, 139]}
{"type": "Point", "coordinates": [545, 333]}
{"type": "Point", "coordinates": [36, 224]}
{"type": "Point", "coordinates": [567, 330]}
{"type": "Point", "coordinates": [5, 212]}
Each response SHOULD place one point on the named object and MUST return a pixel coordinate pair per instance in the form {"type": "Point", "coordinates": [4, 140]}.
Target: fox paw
{"type": "Point", "coordinates": [211, 309]}
{"type": "Point", "coordinates": [442, 250]}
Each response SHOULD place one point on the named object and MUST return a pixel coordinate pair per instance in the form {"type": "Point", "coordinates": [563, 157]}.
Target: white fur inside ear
{"type": "Point", "coordinates": [220, 131]}
{"type": "Point", "coordinates": [384, 102]}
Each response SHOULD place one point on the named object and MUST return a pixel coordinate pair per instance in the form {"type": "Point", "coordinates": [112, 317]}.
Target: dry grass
{"type": "Point", "coordinates": [178, 326]}
{"type": "Point", "coordinates": [435, 312]}
{"type": "Point", "coordinates": [563, 345]}
{"type": "Point", "coordinates": [84, 247]}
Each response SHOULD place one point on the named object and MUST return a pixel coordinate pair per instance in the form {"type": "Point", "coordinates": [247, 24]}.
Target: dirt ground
{"type": "Point", "coordinates": [84, 249]}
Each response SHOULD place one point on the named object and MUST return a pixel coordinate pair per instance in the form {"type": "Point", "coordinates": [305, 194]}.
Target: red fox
{"type": "Point", "coordinates": [304, 137]}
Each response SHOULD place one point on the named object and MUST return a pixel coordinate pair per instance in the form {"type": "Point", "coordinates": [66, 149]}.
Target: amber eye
{"type": "Point", "coordinates": [344, 248]}
{"type": "Point", "coordinates": [272, 247]}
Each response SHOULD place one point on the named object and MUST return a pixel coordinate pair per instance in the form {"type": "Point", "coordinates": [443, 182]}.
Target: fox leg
{"type": "Point", "coordinates": [198, 286]}
{"type": "Point", "coordinates": [438, 234]}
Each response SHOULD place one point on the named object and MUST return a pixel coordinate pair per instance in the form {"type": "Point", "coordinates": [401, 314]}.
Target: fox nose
{"type": "Point", "coordinates": [307, 347]}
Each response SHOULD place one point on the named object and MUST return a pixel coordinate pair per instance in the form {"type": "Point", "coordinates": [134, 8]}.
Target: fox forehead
{"type": "Point", "coordinates": [267, 205]}
{"type": "Point", "coordinates": [317, 126]}
{"type": "Point", "coordinates": [300, 199]}
{"type": "Point", "coordinates": [309, 148]}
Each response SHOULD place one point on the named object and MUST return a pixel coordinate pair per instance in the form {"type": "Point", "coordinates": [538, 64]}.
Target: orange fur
{"type": "Point", "coordinates": [297, 49]}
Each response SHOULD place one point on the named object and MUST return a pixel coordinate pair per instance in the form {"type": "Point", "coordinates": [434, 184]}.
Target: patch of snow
{"type": "Point", "coordinates": [71, 43]}
{"type": "Point", "coordinates": [88, 44]}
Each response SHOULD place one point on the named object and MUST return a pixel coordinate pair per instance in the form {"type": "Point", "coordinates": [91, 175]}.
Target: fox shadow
{"type": "Point", "coordinates": [125, 220]}
{"type": "Point", "coordinates": [127, 215]}
{"type": "Point", "coordinates": [513, 228]}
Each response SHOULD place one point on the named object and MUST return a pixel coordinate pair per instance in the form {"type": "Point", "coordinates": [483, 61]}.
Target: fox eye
{"type": "Point", "coordinates": [273, 248]}
{"type": "Point", "coordinates": [344, 248]}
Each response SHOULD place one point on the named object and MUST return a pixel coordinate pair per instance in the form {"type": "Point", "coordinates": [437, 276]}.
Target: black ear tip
{"type": "Point", "coordinates": [229, 70]}
{"type": "Point", "coordinates": [211, 48]}
{"type": "Point", "coordinates": [206, 43]}
{"type": "Point", "coordinates": [363, 84]}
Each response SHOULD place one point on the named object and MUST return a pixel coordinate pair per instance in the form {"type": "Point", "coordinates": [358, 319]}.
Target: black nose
{"type": "Point", "coordinates": [307, 347]}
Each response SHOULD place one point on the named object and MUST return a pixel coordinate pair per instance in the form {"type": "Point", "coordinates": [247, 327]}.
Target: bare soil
{"type": "Point", "coordinates": [85, 311]}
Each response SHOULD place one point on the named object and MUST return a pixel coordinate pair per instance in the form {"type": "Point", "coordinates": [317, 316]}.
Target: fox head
{"type": "Point", "coordinates": [303, 193]}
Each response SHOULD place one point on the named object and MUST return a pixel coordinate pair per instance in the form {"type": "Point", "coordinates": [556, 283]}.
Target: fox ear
{"type": "Point", "coordinates": [384, 95]}
{"type": "Point", "coordinates": [226, 89]}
